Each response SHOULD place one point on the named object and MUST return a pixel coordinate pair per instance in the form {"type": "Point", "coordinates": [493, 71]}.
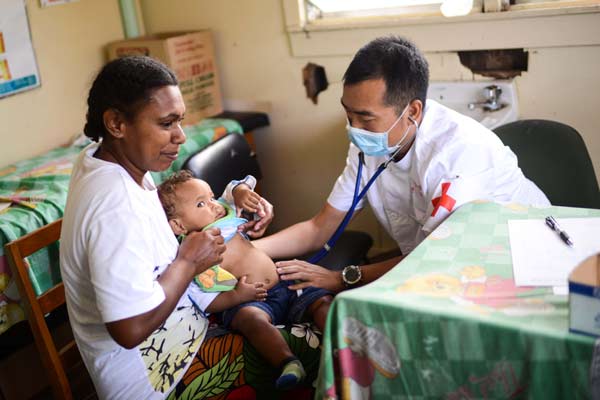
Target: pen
{"type": "Point", "coordinates": [552, 224]}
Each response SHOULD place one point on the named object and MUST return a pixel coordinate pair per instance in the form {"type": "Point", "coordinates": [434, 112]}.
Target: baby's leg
{"type": "Point", "coordinates": [318, 310]}
{"type": "Point", "coordinates": [255, 325]}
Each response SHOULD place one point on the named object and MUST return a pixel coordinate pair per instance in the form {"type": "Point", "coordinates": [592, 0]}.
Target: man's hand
{"type": "Point", "coordinates": [309, 275]}
{"type": "Point", "coordinates": [203, 249]}
{"type": "Point", "coordinates": [256, 229]}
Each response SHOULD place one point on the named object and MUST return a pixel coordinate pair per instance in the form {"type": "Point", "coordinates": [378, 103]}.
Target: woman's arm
{"type": "Point", "coordinates": [199, 251]}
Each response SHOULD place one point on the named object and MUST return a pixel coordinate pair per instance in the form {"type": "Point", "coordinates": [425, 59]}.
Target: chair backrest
{"type": "Point", "coordinates": [224, 160]}
{"type": "Point", "coordinates": [37, 307]}
{"type": "Point", "coordinates": [554, 156]}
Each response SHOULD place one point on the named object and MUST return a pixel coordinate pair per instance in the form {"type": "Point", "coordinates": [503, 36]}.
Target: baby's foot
{"type": "Point", "coordinates": [291, 375]}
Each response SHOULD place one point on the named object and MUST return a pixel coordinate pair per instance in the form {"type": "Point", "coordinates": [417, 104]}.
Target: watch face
{"type": "Point", "coordinates": [351, 274]}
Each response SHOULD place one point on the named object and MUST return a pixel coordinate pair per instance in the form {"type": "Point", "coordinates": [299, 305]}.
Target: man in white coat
{"type": "Point", "coordinates": [440, 160]}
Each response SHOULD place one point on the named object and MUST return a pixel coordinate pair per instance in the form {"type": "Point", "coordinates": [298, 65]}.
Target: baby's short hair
{"type": "Point", "coordinates": [166, 191]}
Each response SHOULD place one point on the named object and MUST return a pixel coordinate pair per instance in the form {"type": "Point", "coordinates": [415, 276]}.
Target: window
{"type": "Point", "coordinates": [332, 9]}
{"type": "Point", "coordinates": [336, 27]}
{"type": "Point", "coordinates": [516, 5]}
{"type": "Point", "coordinates": [324, 9]}
{"type": "Point", "coordinates": [320, 13]}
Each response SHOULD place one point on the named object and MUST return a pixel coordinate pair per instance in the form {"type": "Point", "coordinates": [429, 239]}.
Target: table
{"type": "Point", "coordinates": [448, 322]}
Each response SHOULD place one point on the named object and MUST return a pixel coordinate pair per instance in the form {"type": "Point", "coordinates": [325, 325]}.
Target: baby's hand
{"type": "Point", "coordinates": [250, 291]}
{"type": "Point", "coordinates": [246, 199]}
{"type": "Point", "coordinates": [257, 227]}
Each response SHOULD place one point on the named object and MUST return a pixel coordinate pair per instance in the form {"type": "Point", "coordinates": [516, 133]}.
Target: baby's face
{"type": "Point", "coordinates": [196, 205]}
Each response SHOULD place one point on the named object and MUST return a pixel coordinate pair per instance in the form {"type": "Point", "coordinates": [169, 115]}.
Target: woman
{"type": "Point", "coordinates": [125, 275]}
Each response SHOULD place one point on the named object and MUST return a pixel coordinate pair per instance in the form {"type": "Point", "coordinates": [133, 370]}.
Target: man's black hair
{"type": "Point", "coordinates": [399, 63]}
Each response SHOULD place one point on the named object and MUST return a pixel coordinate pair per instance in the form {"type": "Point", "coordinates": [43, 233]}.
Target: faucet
{"type": "Point", "coordinates": [492, 97]}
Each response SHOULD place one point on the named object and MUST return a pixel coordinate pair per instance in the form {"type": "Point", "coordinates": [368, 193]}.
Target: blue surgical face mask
{"type": "Point", "coordinates": [375, 143]}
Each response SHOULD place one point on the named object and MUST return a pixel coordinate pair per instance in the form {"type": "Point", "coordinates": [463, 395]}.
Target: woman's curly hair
{"type": "Point", "coordinates": [124, 84]}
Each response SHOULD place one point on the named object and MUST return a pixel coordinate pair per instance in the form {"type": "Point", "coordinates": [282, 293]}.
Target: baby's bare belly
{"type": "Point", "coordinates": [242, 258]}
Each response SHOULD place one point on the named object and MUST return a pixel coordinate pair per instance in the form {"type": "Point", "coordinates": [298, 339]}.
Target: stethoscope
{"type": "Point", "coordinates": [356, 198]}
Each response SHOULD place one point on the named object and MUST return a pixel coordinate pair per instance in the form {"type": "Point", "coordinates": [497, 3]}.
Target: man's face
{"type": "Point", "coordinates": [365, 109]}
{"type": "Point", "coordinates": [196, 205]}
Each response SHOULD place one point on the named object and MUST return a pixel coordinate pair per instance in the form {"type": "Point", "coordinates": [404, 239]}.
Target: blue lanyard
{"type": "Point", "coordinates": [355, 200]}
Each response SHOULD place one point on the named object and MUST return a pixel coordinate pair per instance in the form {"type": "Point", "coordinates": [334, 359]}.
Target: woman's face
{"type": "Point", "coordinates": [151, 140]}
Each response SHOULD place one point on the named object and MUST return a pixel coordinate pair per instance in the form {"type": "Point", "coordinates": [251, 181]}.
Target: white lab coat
{"type": "Point", "coordinates": [453, 160]}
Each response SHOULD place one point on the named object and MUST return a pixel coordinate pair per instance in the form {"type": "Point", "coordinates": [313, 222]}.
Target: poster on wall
{"type": "Point", "coordinates": [18, 68]}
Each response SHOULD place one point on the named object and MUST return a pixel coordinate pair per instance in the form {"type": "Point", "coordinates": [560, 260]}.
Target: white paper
{"type": "Point", "coordinates": [541, 258]}
{"type": "Point", "coordinates": [560, 290]}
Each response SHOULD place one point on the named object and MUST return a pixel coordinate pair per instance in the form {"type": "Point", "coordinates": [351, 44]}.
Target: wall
{"type": "Point", "coordinates": [68, 42]}
{"type": "Point", "coordinates": [303, 150]}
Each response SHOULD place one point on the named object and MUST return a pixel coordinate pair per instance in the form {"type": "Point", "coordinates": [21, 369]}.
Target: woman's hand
{"type": "Point", "coordinates": [308, 274]}
{"type": "Point", "coordinates": [203, 249]}
{"type": "Point", "coordinates": [256, 229]}
{"type": "Point", "coordinates": [250, 291]}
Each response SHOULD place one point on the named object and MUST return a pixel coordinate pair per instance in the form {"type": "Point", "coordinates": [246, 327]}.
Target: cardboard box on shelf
{"type": "Point", "coordinates": [191, 56]}
{"type": "Point", "coordinates": [584, 297]}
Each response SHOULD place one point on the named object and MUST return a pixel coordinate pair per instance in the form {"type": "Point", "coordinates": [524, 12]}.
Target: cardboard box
{"type": "Point", "coordinates": [191, 56]}
{"type": "Point", "coordinates": [584, 297]}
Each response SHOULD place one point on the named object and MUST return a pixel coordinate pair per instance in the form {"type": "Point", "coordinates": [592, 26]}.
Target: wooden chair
{"type": "Point", "coordinates": [54, 360]}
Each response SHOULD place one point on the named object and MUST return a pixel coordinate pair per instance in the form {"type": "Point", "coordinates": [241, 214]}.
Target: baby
{"type": "Point", "coordinates": [259, 300]}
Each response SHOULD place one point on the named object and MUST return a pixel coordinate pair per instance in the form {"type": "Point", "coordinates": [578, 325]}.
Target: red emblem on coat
{"type": "Point", "coordinates": [444, 200]}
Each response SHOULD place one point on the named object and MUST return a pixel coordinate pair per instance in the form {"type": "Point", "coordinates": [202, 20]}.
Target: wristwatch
{"type": "Point", "coordinates": [351, 275]}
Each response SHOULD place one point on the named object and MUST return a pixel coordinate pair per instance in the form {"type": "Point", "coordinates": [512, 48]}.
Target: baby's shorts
{"type": "Point", "coordinates": [282, 304]}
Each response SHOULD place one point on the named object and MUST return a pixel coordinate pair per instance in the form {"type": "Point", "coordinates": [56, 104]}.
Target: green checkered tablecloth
{"type": "Point", "coordinates": [36, 190]}
{"type": "Point", "coordinates": [448, 322]}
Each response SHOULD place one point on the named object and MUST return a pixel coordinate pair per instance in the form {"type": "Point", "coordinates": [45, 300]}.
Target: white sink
{"type": "Point", "coordinates": [458, 96]}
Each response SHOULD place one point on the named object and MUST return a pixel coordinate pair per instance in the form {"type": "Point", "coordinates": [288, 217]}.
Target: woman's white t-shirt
{"type": "Point", "coordinates": [115, 242]}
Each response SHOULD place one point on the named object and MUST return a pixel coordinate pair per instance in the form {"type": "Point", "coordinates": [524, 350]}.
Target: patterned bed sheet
{"type": "Point", "coordinates": [33, 193]}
